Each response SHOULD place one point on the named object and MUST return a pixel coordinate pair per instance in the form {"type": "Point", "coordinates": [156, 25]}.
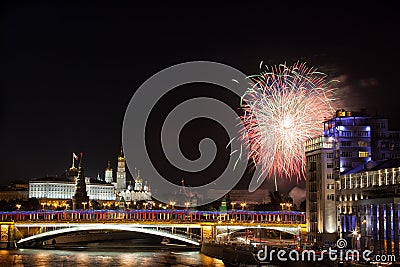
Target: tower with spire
{"type": "Point", "coordinates": [80, 195]}
{"type": "Point", "coordinates": [138, 183]}
{"type": "Point", "coordinates": [121, 173]}
{"type": "Point", "coordinates": [108, 177]}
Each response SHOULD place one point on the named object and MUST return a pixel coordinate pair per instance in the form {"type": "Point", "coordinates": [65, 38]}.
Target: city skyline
{"type": "Point", "coordinates": [71, 71]}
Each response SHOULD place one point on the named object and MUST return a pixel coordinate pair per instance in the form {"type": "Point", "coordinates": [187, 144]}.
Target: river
{"type": "Point", "coordinates": [110, 258]}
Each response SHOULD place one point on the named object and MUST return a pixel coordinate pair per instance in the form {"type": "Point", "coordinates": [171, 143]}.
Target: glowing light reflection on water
{"type": "Point", "coordinates": [114, 258]}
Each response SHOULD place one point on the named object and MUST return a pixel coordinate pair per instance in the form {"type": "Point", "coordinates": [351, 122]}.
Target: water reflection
{"type": "Point", "coordinates": [86, 258]}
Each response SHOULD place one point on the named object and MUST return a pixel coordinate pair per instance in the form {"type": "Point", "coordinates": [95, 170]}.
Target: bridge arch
{"type": "Point", "coordinates": [59, 232]}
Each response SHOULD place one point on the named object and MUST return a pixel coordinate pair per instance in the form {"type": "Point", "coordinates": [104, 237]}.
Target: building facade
{"type": "Point", "coordinates": [63, 188]}
{"type": "Point", "coordinates": [369, 206]}
{"type": "Point", "coordinates": [344, 144]}
{"type": "Point", "coordinates": [14, 191]}
{"type": "Point", "coordinates": [60, 188]}
{"type": "Point", "coordinates": [139, 190]}
{"type": "Point", "coordinates": [121, 172]}
{"type": "Point", "coordinates": [385, 142]}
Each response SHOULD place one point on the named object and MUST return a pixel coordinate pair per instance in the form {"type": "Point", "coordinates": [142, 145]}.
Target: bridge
{"type": "Point", "coordinates": [33, 228]}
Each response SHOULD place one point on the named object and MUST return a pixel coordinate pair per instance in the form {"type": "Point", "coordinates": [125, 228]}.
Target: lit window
{"type": "Point", "coordinates": [346, 143]}
{"type": "Point", "coordinates": [346, 133]}
{"type": "Point", "coordinates": [346, 154]}
{"type": "Point", "coordinates": [362, 143]}
{"type": "Point", "coordinates": [363, 154]}
{"type": "Point", "coordinates": [346, 164]}
{"type": "Point", "coordinates": [331, 197]}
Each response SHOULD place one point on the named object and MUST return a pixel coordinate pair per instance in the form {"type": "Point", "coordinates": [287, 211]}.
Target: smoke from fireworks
{"type": "Point", "coordinates": [284, 107]}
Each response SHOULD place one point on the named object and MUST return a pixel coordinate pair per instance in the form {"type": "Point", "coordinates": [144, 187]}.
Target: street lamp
{"type": "Point", "coordinates": [172, 203]}
{"type": "Point", "coordinates": [187, 203]}
{"type": "Point", "coordinates": [243, 204]}
{"type": "Point", "coordinates": [355, 238]}
{"type": "Point", "coordinates": [233, 205]}
{"type": "Point", "coordinates": [145, 205]}
{"type": "Point", "coordinates": [299, 234]}
{"type": "Point", "coordinates": [18, 206]}
{"type": "Point", "coordinates": [84, 205]}
{"type": "Point", "coordinates": [43, 204]}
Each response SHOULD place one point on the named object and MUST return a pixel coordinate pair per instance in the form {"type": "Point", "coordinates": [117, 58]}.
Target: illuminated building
{"type": "Point", "coordinates": [62, 188]}
{"type": "Point", "coordinates": [137, 191]}
{"type": "Point", "coordinates": [15, 191]}
{"type": "Point", "coordinates": [385, 142]}
{"type": "Point", "coordinates": [369, 204]}
{"type": "Point", "coordinates": [345, 144]}
{"type": "Point", "coordinates": [121, 173]}
{"type": "Point", "coordinates": [108, 174]}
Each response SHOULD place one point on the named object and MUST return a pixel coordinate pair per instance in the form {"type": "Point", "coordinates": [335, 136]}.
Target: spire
{"type": "Point", "coordinates": [109, 165]}
{"type": "Point", "coordinates": [73, 161]}
{"type": "Point", "coordinates": [121, 155]}
{"type": "Point", "coordinates": [138, 179]}
{"type": "Point", "coordinates": [74, 157]}
{"type": "Point", "coordinates": [183, 190]}
{"type": "Point", "coordinates": [80, 195]}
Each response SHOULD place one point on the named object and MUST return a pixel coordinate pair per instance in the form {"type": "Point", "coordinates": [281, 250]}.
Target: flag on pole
{"type": "Point", "coordinates": [75, 156]}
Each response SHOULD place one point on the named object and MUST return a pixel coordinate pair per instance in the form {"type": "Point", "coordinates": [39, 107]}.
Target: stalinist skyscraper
{"type": "Point", "coordinates": [121, 173]}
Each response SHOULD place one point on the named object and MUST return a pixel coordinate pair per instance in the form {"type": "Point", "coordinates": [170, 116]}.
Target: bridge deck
{"type": "Point", "coordinates": [179, 216]}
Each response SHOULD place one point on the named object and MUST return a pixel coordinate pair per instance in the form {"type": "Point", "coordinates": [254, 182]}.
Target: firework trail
{"type": "Point", "coordinates": [284, 107]}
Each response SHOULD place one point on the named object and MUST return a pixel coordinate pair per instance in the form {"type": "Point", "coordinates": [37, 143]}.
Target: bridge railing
{"type": "Point", "coordinates": [178, 216]}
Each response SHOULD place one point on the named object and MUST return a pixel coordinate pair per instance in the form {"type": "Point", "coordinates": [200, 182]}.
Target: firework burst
{"type": "Point", "coordinates": [284, 107]}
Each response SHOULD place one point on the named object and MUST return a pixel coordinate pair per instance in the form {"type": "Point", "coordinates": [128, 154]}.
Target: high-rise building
{"type": "Point", "coordinates": [345, 144]}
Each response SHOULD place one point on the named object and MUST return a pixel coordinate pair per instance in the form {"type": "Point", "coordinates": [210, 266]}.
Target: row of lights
{"type": "Point", "coordinates": [243, 205]}
{"type": "Point", "coordinates": [172, 203]}
{"type": "Point", "coordinates": [55, 205]}
{"type": "Point", "coordinates": [286, 206]}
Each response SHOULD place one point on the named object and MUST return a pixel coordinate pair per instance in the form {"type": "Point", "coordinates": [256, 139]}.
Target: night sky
{"type": "Point", "coordinates": [70, 70]}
